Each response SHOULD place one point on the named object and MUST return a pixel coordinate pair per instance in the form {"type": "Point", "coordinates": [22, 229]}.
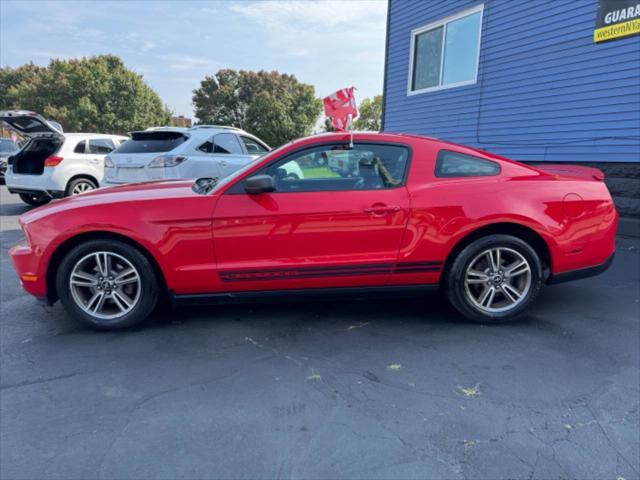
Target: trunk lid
{"type": "Point", "coordinates": [572, 171]}
{"type": "Point", "coordinates": [131, 159]}
{"type": "Point", "coordinates": [31, 124]}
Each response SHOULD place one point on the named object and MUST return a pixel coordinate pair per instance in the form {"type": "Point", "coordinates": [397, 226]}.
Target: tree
{"type": "Point", "coordinates": [273, 106]}
{"type": "Point", "coordinates": [370, 114]}
{"type": "Point", "coordinates": [96, 94]}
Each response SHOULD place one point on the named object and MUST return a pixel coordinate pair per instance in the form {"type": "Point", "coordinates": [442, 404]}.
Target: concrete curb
{"type": "Point", "coordinates": [629, 227]}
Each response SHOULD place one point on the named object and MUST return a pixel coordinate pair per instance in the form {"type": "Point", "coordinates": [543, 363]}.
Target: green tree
{"type": "Point", "coordinates": [273, 106]}
{"type": "Point", "coordinates": [96, 94]}
{"type": "Point", "coordinates": [370, 114]}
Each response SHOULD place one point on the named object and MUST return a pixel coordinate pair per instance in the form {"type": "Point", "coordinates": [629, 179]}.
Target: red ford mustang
{"type": "Point", "coordinates": [392, 213]}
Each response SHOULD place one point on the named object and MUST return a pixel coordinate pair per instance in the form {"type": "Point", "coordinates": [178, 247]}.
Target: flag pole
{"type": "Point", "coordinates": [350, 127]}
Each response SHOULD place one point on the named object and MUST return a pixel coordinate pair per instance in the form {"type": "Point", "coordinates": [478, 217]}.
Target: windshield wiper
{"type": "Point", "coordinates": [204, 185]}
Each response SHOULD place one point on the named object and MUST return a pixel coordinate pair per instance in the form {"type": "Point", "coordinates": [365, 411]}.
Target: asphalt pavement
{"type": "Point", "coordinates": [351, 389]}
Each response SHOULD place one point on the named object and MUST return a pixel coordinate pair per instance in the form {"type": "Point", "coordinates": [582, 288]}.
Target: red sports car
{"type": "Point", "coordinates": [391, 212]}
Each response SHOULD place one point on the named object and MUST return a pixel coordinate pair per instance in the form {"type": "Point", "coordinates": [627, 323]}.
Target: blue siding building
{"type": "Point", "coordinates": [521, 78]}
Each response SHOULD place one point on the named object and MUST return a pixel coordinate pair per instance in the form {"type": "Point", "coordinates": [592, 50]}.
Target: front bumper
{"type": "Point", "coordinates": [27, 264]}
{"type": "Point", "coordinates": [572, 275]}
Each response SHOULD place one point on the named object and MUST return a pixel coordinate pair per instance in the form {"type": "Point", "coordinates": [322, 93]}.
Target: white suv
{"type": "Point", "coordinates": [174, 152]}
{"type": "Point", "coordinates": [53, 164]}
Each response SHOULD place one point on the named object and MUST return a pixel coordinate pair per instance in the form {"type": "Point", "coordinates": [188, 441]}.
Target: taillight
{"type": "Point", "coordinates": [167, 161]}
{"type": "Point", "coordinates": [53, 161]}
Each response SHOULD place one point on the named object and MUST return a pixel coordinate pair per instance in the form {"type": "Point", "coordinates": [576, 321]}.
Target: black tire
{"type": "Point", "coordinates": [35, 199]}
{"type": "Point", "coordinates": [79, 182]}
{"type": "Point", "coordinates": [148, 287]}
{"type": "Point", "coordinates": [457, 292]}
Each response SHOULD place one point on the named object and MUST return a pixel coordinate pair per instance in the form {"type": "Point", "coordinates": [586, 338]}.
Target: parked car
{"type": "Point", "coordinates": [53, 164]}
{"type": "Point", "coordinates": [174, 152]}
{"type": "Point", "coordinates": [7, 148]}
{"type": "Point", "coordinates": [421, 213]}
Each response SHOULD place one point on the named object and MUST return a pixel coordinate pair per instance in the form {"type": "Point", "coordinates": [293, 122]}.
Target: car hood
{"type": "Point", "coordinates": [134, 192]}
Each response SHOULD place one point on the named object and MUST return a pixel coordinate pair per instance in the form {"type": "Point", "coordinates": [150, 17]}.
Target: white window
{"type": "Point", "coordinates": [445, 54]}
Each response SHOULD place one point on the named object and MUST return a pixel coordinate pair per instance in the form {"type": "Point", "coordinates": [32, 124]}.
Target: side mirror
{"type": "Point", "coordinates": [260, 184]}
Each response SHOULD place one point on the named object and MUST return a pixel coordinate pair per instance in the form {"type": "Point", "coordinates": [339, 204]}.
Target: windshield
{"type": "Point", "coordinates": [7, 146]}
{"type": "Point", "coordinates": [248, 166]}
{"type": "Point", "coordinates": [151, 142]}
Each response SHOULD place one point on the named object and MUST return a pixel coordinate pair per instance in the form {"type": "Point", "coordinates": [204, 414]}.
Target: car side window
{"type": "Point", "coordinates": [206, 147]}
{"type": "Point", "coordinates": [453, 164]}
{"type": "Point", "coordinates": [101, 146]}
{"type": "Point", "coordinates": [253, 147]}
{"type": "Point", "coordinates": [338, 168]}
{"type": "Point", "coordinates": [226, 143]}
{"type": "Point", "coordinates": [81, 147]}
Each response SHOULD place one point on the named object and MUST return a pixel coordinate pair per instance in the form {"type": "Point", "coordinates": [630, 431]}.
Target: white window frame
{"type": "Point", "coordinates": [431, 26]}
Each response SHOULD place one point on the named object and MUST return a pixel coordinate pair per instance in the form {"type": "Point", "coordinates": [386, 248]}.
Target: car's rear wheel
{"type": "Point", "coordinates": [35, 199]}
{"type": "Point", "coordinates": [107, 284]}
{"type": "Point", "coordinates": [80, 185]}
{"type": "Point", "coordinates": [494, 279]}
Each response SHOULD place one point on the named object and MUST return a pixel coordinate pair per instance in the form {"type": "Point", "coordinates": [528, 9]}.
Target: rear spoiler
{"type": "Point", "coordinates": [573, 171]}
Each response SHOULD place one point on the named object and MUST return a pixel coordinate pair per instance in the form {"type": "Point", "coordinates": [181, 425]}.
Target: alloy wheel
{"type": "Point", "coordinates": [105, 285]}
{"type": "Point", "coordinates": [497, 280]}
{"type": "Point", "coordinates": [81, 187]}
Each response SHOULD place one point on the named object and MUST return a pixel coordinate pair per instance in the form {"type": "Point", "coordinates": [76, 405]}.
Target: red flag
{"type": "Point", "coordinates": [339, 105]}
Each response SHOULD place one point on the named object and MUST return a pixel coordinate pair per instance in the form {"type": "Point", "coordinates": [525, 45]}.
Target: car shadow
{"type": "Point", "coordinates": [13, 209]}
{"type": "Point", "coordinates": [431, 308]}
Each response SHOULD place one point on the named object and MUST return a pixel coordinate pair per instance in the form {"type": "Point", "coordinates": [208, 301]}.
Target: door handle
{"type": "Point", "coordinates": [382, 209]}
{"type": "Point", "coordinates": [223, 163]}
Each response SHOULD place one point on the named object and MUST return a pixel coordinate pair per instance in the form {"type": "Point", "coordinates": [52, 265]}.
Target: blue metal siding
{"type": "Point", "coordinates": [545, 90]}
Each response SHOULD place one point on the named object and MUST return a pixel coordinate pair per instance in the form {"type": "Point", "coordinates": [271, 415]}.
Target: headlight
{"type": "Point", "coordinates": [108, 163]}
{"type": "Point", "coordinates": [167, 161]}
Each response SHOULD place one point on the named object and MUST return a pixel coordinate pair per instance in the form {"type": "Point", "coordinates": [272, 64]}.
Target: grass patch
{"type": "Point", "coordinates": [319, 172]}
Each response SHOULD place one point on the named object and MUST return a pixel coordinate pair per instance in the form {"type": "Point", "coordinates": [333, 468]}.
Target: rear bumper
{"type": "Point", "coordinates": [30, 191]}
{"type": "Point", "coordinates": [51, 180]}
{"type": "Point", "coordinates": [581, 273]}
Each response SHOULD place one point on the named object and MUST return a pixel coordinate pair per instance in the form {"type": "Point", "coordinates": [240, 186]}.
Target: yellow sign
{"type": "Point", "coordinates": [616, 31]}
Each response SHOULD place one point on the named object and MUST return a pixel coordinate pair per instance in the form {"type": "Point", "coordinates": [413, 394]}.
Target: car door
{"type": "Point", "coordinates": [229, 153]}
{"type": "Point", "coordinates": [316, 229]}
{"type": "Point", "coordinates": [97, 149]}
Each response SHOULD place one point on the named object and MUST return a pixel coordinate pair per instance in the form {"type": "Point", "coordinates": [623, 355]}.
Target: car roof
{"type": "Point", "coordinates": [93, 135]}
{"type": "Point", "coordinates": [199, 131]}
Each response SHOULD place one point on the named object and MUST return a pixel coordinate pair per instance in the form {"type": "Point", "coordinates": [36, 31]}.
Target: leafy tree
{"type": "Point", "coordinates": [273, 106]}
{"type": "Point", "coordinates": [327, 126]}
{"type": "Point", "coordinates": [370, 114]}
{"type": "Point", "coordinates": [96, 94]}
{"type": "Point", "coordinates": [13, 76]}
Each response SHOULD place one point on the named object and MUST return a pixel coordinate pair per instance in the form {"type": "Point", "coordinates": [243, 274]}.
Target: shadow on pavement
{"type": "Point", "coordinates": [12, 209]}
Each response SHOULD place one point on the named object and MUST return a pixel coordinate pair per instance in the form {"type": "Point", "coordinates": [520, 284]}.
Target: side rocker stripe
{"type": "Point", "coordinates": [331, 271]}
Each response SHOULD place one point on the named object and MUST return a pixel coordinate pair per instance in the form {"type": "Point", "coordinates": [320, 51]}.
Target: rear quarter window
{"type": "Point", "coordinates": [100, 146]}
{"type": "Point", "coordinates": [450, 164]}
{"type": "Point", "coordinates": [151, 142]}
{"type": "Point", "coordinates": [81, 147]}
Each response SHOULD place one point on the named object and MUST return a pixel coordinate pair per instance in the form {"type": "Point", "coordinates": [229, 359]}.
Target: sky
{"type": "Point", "coordinates": [173, 44]}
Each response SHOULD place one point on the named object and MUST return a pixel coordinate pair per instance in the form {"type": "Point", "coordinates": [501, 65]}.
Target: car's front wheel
{"type": "Point", "coordinates": [35, 199]}
{"type": "Point", "coordinates": [494, 279]}
{"type": "Point", "coordinates": [107, 284]}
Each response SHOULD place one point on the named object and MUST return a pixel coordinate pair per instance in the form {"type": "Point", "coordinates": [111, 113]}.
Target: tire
{"type": "Point", "coordinates": [35, 199]}
{"type": "Point", "coordinates": [468, 285]}
{"type": "Point", "coordinates": [121, 305]}
{"type": "Point", "coordinates": [79, 185]}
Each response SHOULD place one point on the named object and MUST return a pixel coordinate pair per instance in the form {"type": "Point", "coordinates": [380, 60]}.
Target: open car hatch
{"type": "Point", "coordinates": [31, 124]}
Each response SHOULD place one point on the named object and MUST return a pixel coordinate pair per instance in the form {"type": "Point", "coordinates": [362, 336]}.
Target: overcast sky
{"type": "Point", "coordinates": [174, 44]}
